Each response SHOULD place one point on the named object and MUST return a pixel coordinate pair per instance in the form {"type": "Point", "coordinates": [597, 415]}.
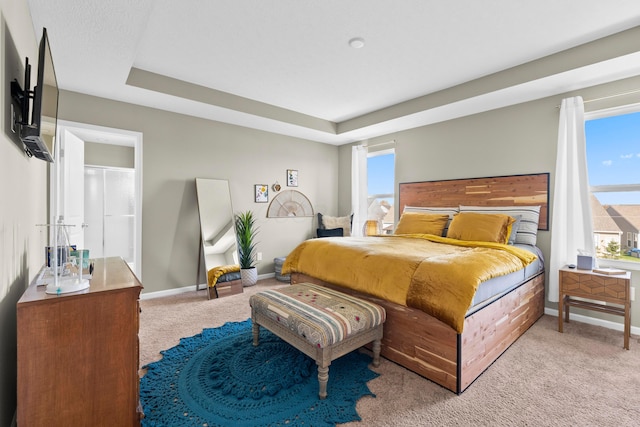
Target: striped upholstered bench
{"type": "Point", "coordinates": [322, 323]}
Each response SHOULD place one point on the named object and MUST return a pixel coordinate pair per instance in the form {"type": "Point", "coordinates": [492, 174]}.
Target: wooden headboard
{"type": "Point", "coordinates": [512, 190]}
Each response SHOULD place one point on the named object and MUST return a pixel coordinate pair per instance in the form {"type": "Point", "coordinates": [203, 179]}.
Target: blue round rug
{"type": "Point", "coordinates": [218, 378]}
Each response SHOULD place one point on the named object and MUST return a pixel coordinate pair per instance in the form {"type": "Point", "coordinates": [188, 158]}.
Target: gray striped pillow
{"type": "Point", "coordinates": [527, 233]}
{"type": "Point", "coordinates": [451, 211]}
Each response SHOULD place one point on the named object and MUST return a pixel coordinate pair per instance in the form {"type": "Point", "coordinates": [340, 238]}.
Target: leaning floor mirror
{"type": "Point", "coordinates": [218, 247]}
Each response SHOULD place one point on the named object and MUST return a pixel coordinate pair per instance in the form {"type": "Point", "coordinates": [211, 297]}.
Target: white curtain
{"type": "Point", "coordinates": [358, 188]}
{"type": "Point", "coordinates": [571, 222]}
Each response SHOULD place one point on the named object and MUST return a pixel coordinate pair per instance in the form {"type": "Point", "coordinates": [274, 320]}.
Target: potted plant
{"type": "Point", "coordinates": [246, 231]}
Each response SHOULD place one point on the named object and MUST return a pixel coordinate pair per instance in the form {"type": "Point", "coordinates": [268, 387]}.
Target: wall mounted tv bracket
{"type": "Point", "coordinates": [20, 104]}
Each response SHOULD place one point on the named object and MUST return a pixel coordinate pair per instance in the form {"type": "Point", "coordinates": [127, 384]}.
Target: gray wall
{"type": "Point", "coordinates": [514, 140]}
{"type": "Point", "coordinates": [177, 149]}
{"type": "Point", "coordinates": [23, 201]}
{"type": "Point", "coordinates": [117, 156]}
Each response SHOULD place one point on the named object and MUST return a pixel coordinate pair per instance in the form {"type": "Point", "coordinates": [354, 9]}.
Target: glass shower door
{"type": "Point", "coordinates": [110, 212]}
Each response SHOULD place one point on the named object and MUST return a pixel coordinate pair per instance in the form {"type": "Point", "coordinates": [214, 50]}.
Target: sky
{"type": "Point", "coordinates": [380, 175]}
{"type": "Point", "coordinates": [613, 155]}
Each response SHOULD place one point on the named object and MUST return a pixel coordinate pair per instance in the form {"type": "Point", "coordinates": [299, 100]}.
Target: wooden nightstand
{"type": "Point", "coordinates": [612, 289]}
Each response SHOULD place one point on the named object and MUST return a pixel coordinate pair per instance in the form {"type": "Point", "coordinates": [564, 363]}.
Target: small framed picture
{"type": "Point", "coordinates": [262, 193]}
{"type": "Point", "coordinates": [292, 178]}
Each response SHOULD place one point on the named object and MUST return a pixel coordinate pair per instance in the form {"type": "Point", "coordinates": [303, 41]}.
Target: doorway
{"type": "Point", "coordinates": [109, 208]}
{"type": "Point", "coordinates": [100, 164]}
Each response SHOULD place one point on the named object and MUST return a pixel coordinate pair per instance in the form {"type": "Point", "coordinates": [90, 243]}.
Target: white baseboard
{"type": "Point", "coordinates": [192, 288]}
{"type": "Point", "coordinates": [170, 292]}
{"type": "Point", "coordinates": [593, 321]}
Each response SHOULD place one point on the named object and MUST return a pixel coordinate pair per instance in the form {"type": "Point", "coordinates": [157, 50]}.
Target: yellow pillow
{"type": "Point", "coordinates": [421, 223]}
{"type": "Point", "coordinates": [481, 227]}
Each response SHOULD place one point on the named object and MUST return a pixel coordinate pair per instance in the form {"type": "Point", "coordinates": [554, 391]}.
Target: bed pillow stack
{"type": "Point", "coordinates": [481, 227]}
{"type": "Point", "coordinates": [526, 230]}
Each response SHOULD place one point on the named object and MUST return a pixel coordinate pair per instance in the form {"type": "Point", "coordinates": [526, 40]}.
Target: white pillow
{"type": "Point", "coordinates": [343, 222]}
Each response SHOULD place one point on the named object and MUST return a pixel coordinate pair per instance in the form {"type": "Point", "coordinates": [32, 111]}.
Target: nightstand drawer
{"type": "Point", "coordinates": [595, 286]}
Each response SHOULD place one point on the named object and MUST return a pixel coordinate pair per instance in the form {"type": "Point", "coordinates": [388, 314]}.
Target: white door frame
{"type": "Point", "coordinates": [113, 136]}
{"type": "Point", "coordinates": [71, 195]}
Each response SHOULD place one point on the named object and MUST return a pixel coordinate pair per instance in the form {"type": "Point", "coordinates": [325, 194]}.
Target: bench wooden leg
{"type": "Point", "coordinates": [255, 329]}
{"type": "Point", "coordinates": [323, 378]}
{"type": "Point", "coordinates": [376, 353]}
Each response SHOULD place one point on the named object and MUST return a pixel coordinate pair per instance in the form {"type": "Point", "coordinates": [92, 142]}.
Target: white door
{"type": "Point", "coordinates": [71, 167]}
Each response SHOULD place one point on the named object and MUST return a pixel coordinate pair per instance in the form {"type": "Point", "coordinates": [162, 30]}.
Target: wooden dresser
{"type": "Point", "coordinates": [78, 353]}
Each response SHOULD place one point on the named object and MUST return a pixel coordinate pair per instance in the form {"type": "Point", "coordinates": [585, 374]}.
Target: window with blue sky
{"type": "Point", "coordinates": [613, 165]}
{"type": "Point", "coordinates": [380, 173]}
{"type": "Point", "coordinates": [613, 155]}
{"type": "Point", "coordinates": [381, 186]}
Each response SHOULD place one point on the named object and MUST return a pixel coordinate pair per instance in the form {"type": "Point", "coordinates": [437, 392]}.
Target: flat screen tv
{"type": "Point", "coordinates": [38, 129]}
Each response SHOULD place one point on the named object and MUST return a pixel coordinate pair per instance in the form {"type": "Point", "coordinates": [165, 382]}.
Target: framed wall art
{"type": "Point", "coordinates": [292, 178]}
{"type": "Point", "coordinates": [262, 193]}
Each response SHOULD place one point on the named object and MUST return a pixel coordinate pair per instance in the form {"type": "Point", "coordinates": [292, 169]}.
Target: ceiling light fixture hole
{"type": "Point", "coordinates": [356, 42]}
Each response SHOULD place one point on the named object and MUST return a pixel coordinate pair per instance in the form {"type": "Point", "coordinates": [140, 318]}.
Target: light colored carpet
{"type": "Point", "coordinates": [580, 378]}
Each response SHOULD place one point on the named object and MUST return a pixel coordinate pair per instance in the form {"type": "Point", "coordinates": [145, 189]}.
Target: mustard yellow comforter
{"type": "Point", "coordinates": [434, 274]}
{"type": "Point", "coordinates": [216, 272]}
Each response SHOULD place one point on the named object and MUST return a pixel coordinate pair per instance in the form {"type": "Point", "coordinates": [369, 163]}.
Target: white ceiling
{"type": "Point", "coordinates": [286, 66]}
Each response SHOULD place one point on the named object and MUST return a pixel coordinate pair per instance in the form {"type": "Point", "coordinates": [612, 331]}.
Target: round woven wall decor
{"type": "Point", "coordinates": [289, 204]}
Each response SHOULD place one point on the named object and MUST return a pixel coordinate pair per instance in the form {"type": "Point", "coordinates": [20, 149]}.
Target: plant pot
{"type": "Point", "coordinates": [249, 276]}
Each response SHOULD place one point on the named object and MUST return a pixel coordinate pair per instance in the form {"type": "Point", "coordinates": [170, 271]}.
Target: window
{"type": "Point", "coordinates": [613, 163]}
{"type": "Point", "coordinates": [380, 188]}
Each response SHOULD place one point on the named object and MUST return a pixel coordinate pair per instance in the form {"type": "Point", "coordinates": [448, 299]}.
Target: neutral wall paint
{"type": "Point", "coordinates": [515, 140]}
{"type": "Point", "coordinates": [117, 156]}
{"type": "Point", "coordinates": [23, 195]}
{"type": "Point", "coordinates": [177, 149]}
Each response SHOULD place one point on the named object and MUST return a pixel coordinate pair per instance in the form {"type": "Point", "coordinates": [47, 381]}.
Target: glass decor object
{"type": "Point", "coordinates": [371, 227]}
{"type": "Point", "coordinates": [68, 276]}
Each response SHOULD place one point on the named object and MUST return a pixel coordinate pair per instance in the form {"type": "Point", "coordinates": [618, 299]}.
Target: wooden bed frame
{"type": "Point", "coordinates": [427, 346]}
